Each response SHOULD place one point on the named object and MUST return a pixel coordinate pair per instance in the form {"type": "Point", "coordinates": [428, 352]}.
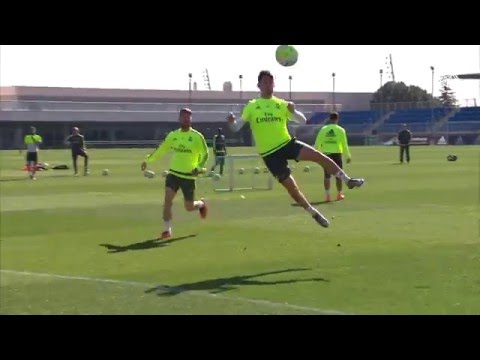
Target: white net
{"type": "Point", "coordinates": [243, 172]}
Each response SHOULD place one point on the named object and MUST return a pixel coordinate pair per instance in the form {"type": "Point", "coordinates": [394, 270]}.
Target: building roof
{"type": "Point", "coordinates": [84, 94]}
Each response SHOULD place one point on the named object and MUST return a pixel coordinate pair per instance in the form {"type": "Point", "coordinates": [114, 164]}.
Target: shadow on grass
{"type": "Point", "coordinates": [144, 245]}
{"type": "Point", "coordinates": [38, 175]}
{"type": "Point", "coordinates": [218, 285]}
{"type": "Point", "coordinates": [315, 203]}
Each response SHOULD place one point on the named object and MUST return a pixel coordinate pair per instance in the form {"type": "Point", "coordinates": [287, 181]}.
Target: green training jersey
{"type": "Point", "coordinates": [189, 149]}
{"type": "Point", "coordinates": [332, 139]}
{"type": "Point", "coordinates": [268, 119]}
{"type": "Point", "coordinates": [32, 141]}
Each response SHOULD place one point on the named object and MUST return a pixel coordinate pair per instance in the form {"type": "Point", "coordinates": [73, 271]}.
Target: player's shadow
{"type": "Point", "coordinates": [60, 175]}
{"type": "Point", "coordinates": [39, 176]}
{"type": "Point", "coordinates": [144, 245]}
{"type": "Point", "coordinates": [15, 179]}
{"type": "Point", "coordinates": [215, 286]}
{"type": "Point", "coordinates": [315, 203]}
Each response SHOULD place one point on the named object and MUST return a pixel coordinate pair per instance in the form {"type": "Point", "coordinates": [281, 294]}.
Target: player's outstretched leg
{"type": "Point", "coordinates": [292, 188]}
{"type": "Point", "coordinates": [222, 164]}
{"type": "Point", "coordinates": [167, 213]}
{"type": "Point", "coordinates": [30, 169]}
{"type": "Point", "coordinates": [85, 164]}
{"type": "Point", "coordinates": [75, 166]}
{"type": "Point", "coordinates": [307, 153]}
{"type": "Point", "coordinates": [326, 185]}
{"type": "Point", "coordinates": [203, 210]}
{"type": "Point", "coordinates": [188, 189]}
{"type": "Point", "coordinates": [199, 205]}
{"type": "Point", "coordinates": [33, 168]}
{"type": "Point", "coordinates": [340, 195]}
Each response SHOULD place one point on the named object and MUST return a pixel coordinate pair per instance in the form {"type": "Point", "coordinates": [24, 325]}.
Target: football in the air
{"type": "Point", "coordinates": [286, 55]}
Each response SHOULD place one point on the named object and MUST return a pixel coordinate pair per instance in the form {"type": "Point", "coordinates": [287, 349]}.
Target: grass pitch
{"type": "Point", "coordinates": [405, 243]}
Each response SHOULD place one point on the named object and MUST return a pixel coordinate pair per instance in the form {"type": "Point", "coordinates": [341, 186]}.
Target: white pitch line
{"type": "Point", "coordinates": [197, 293]}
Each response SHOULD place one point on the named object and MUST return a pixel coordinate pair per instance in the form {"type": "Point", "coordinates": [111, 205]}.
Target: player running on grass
{"type": "Point", "coordinates": [268, 117]}
{"type": "Point", "coordinates": [332, 141]}
{"type": "Point", "coordinates": [77, 144]}
{"type": "Point", "coordinates": [190, 153]}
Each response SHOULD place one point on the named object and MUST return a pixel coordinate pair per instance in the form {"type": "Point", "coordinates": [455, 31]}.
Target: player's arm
{"type": "Point", "coordinates": [214, 141]}
{"type": "Point", "coordinates": [161, 150]}
{"type": "Point", "coordinates": [203, 152]}
{"type": "Point", "coordinates": [224, 145]}
{"type": "Point", "coordinates": [84, 145]}
{"type": "Point", "coordinates": [237, 124]}
{"type": "Point", "coordinates": [409, 137]}
{"type": "Point", "coordinates": [319, 140]}
{"type": "Point", "coordinates": [298, 116]}
{"type": "Point", "coordinates": [37, 139]}
{"type": "Point", "coordinates": [234, 123]}
{"type": "Point", "coordinates": [344, 143]}
{"type": "Point", "coordinates": [67, 140]}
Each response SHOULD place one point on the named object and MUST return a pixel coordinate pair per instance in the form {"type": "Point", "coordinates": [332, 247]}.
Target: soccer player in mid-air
{"type": "Point", "coordinates": [219, 150]}
{"type": "Point", "coordinates": [33, 141]}
{"type": "Point", "coordinates": [332, 141]}
{"type": "Point", "coordinates": [268, 117]}
{"type": "Point", "coordinates": [190, 154]}
{"type": "Point", "coordinates": [77, 144]}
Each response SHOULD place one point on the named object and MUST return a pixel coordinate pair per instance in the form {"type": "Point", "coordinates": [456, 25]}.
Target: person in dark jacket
{"type": "Point", "coordinates": [219, 150]}
{"type": "Point", "coordinates": [404, 137]}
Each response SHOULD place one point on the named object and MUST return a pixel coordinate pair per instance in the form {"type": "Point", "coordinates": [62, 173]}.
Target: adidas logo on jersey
{"type": "Point", "coordinates": [330, 133]}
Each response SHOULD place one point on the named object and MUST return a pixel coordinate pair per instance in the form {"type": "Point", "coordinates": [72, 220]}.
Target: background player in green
{"type": "Point", "coordinates": [32, 141]}
{"type": "Point", "coordinates": [77, 144]}
{"type": "Point", "coordinates": [219, 150]}
{"type": "Point", "coordinates": [190, 153]}
{"type": "Point", "coordinates": [332, 141]}
{"type": "Point", "coordinates": [268, 117]}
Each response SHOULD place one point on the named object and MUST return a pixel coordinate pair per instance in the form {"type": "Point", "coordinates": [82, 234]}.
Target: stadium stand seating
{"type": "Point", "coordinates": [466, 120]}
{"type": "Point", "coordinates": [467, 114]}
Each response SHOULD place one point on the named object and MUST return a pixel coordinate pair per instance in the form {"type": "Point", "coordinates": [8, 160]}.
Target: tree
{"type": "Point", "coordinates": [392, 92]}
{"type": "Point", "coordinates": [447, 97]}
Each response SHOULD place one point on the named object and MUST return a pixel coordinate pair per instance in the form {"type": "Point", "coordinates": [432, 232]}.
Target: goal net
{"type": "Point", "coordinates": [242, 172]}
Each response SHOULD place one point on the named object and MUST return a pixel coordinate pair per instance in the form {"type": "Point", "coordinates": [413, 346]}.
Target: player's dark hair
{"type": "Point", "coordinates": [264, 73]}
{"type": "Point", "coordinates": [333, 116]}
{"type": "Point", "coordinates": [185, 110]}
